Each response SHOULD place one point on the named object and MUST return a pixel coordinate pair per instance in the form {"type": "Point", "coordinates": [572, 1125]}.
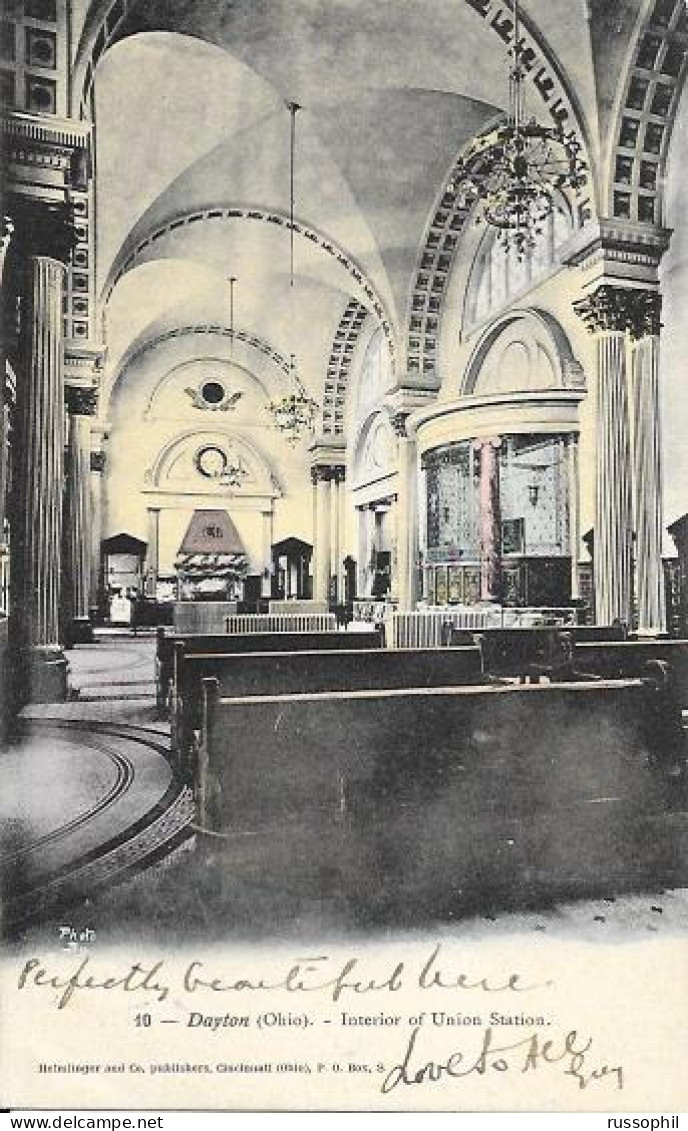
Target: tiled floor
{"type": "Point", "coordinates": [79, 775]}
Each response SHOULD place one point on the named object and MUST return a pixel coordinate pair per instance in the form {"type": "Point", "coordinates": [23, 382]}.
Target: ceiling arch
{"type": "Point", "coordinates": [381, 32]}
{"type": "Point", "coordinates": [153, 245]}
{"type": "Point", "coordinates": [339, 367]}
{"type": "Point", "coordinates": [367, 163]}
{"type": "Point", "coordinates": [205, 330]}
{"type": "Point", "coordinates": [188, 98]}
{"type": "Point", "coordinates": [645, 116]}
{"type": "Point", "coordinates": [380, 131]}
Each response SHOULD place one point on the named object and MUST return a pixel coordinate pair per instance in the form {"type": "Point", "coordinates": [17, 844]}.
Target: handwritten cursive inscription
{"type": "Point", "coordinates": [321, 975]}
{"type": "Point", "coordinates": [569, 1053]}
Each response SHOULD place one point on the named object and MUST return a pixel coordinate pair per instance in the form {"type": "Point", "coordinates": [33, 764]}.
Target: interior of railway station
{"type": "Point", "coordinates": [343, 475]}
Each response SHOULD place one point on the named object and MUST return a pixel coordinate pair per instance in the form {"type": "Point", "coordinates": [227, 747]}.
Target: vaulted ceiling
{"type": "Point", "coordinates": [192, 152]}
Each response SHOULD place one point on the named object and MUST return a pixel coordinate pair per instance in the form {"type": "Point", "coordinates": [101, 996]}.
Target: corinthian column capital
{"type": "Point", "coordinates": [42, 228]}
{"type": "Point", "coordinates": [647, 311]}
{"type": "Point", "coordinates": [81, 401]}
{"type": "Point", "coordinates": [633, 310]}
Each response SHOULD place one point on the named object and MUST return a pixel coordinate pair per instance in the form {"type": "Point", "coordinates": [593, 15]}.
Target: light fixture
{"type": "Point", "coordinates": [293, 413]}
{"type": "Point", "coordinates": [232, 282]}
{"type": "Point", "coordinates": [533, 493]}
{"type": "Point", "coordinates": [514, 172]}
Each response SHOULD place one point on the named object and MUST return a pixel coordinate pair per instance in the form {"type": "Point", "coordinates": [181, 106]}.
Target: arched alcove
{"type": "Point", "coordinates": [179, 469]}
{"type": "Point", "coordinates": [524, 351]}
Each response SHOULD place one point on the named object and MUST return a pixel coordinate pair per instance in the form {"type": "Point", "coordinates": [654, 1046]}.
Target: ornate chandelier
{"type": "Point", "coordinates": [293, 413]}
{"type": "Point", "coordinates": [513, 172]}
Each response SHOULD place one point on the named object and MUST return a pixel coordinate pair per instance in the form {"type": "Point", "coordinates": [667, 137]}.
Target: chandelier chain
{"type": "Point", "coordinates": [513, 174]}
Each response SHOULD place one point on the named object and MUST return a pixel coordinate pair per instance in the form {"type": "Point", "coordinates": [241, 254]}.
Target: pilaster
{"type": "Point", "coordinates": [97, 467]}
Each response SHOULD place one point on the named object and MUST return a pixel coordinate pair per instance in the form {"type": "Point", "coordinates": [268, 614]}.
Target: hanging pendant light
{"type": "Point", "coordinates": [513, 173]}
{"type": "Point", "coordinates": [232, 283]}
{"type": "Point", "coordinates": [225, 471]}
{"type": "Point", "coordinates": [293, 413]}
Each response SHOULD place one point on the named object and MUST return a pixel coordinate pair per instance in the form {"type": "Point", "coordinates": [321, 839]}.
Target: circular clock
{"type": "Point", "coordinates": [211, 461]}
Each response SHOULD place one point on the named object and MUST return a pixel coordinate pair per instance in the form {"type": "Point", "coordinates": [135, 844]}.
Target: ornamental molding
{"type": "Point", "coordinates": [81, 360]}
{"type": "Point", "coordinates": [60, 133]}
{"type": "Point", "coordinates": [409, 396]}
{"type": "Point", "coordinates": [60, 145]}
{"type": "Point", "coordinates": [208, 329]}
{"type": "Point", "coordinates": [617, 241]}
{"type": "Point", "coordinates": [621, 310]}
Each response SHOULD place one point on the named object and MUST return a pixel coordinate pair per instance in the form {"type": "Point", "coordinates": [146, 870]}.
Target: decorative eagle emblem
{"type": "Point", "coordinates": [226, 402]}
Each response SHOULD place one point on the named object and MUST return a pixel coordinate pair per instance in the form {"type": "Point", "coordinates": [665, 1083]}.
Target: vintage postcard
{"type": "Point", "coordinates": [344, 555]}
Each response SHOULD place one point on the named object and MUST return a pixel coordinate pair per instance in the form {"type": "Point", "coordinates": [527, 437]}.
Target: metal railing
{"type": "Point", "coordinates": [429, 628]}
{"type": "Point", "coordinates": [281, 622]}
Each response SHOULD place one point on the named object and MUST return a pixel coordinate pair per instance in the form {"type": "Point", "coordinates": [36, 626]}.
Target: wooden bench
{"type": "Point", "coordinates": [526, 653]}
{"type": "Point", "coordinates": [283, 673]}
{"type": "Point", "coordinates": [630, 659]}
{"type": "Point", "coordinates": [598, 633]}
{"type": "Point", "coordinates": [621, 658]}
{"type": "Point", "coordinates": [580, 633]}
{"type": "Point", "coordinates": [251, 642]}
{"type": "Point", "coordinates": [426, 794]}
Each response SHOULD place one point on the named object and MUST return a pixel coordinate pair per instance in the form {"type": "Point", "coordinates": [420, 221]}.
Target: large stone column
{"type": "Point", "coordinates": [336, 565]}
{"type": "Point", "coordinates": [322, 548]}
{"type": "Point", "coordinates": [41, 473]}
{"type": "Point", "coordinates": [647, 470]}
{"type": "Point", "coordinates": [490, 519]}
{"type": "Point", "coordinates": [314, 558]}
{"type": "Point", "coordinates": [607, 314]}
{"type": "Point", "coordinates": [97, 465]}
{"type": "Point", "coordinates": [341, 512]}
{"type": "Point", "coordinates": [371, 547]}
{"type": "Point", "coordinates": [326, 478]}
{"type": "Point", "coordinates": [361, 565]}
{"type": "Point", "coordinates": [406, 516]}
{"type": "Point", "coordinates": [81, 405]}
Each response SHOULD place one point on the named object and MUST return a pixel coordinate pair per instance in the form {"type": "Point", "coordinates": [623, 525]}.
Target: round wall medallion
{"type": "Point", "coordinates": [212, 392]}
{"type": "Point", "coordinates": [211, 461]}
